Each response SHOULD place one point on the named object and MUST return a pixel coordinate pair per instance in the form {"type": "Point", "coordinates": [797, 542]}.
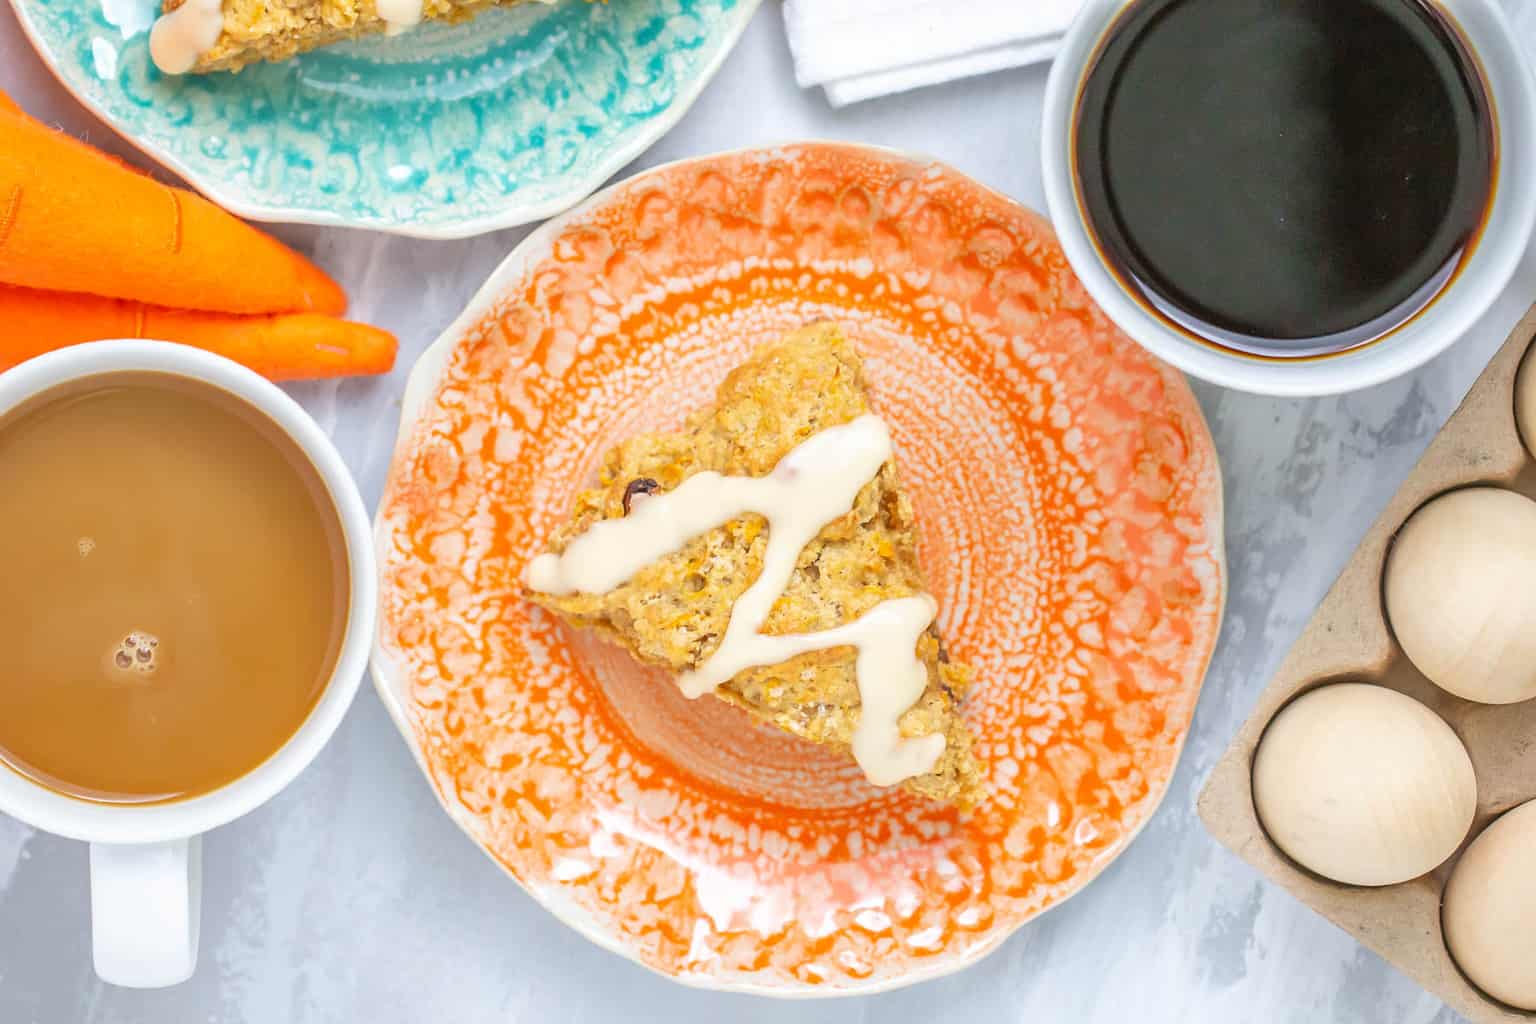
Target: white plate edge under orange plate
{"type": "Point", "coordinates": [389, 679]}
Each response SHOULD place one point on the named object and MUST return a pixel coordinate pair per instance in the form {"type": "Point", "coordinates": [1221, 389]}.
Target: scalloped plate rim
{"type": "Point", "coordinates": [420, 383]}
{"type": "Point", "coordinates": [515, 215]}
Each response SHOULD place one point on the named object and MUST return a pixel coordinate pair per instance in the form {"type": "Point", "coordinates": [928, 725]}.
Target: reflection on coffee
{"type": "Point", "coordinates": [176, 588]}
{"type": "Point", "coordinates": [1285, 177]}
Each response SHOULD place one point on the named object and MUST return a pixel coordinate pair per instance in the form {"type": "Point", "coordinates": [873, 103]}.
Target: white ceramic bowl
{"type": "Point", "coordinates": [1491, 38]}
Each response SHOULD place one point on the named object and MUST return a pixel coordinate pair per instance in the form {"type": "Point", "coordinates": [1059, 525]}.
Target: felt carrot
{"type": "Point", "coordinates": [74, 219]}
{"type": "Point", "coordinates": [293, 346]}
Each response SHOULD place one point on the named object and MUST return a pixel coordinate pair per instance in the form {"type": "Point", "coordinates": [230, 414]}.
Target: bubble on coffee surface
{"type": "Point", "coordinates": [138, 652]}
{"type": "Point", "coordinates": [85, 545]}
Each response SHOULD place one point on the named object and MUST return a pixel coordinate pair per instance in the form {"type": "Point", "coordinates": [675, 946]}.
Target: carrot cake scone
{"type": "Point", "coordinates": [767, 554]}
{"type": "Point", "coordinates": [225, 35]}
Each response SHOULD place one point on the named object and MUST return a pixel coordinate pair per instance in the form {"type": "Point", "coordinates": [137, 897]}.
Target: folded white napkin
{"type": "Point", "coordinates": [858, 49]}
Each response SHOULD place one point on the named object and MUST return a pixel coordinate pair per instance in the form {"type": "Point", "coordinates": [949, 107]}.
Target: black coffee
{"type": "Point", "coordinates": [1287, 177]}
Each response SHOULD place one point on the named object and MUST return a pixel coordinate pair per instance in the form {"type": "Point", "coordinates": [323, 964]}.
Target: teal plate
{"type": "Point", "coordinates": [444, 132]}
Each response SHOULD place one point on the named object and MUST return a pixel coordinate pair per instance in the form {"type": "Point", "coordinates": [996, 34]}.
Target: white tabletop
{"type": "Point", "coordinates": [352, 898]}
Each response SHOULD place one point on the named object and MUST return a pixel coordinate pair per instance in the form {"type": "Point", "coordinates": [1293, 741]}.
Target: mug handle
{"type": "Point", "coordinates": [145, 906]}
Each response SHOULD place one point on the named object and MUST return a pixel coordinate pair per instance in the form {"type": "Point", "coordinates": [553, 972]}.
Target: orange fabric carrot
{"type": "Point", "coordinates": [73, 219]}
{"type": "Point", "coordinates": [294, 346]}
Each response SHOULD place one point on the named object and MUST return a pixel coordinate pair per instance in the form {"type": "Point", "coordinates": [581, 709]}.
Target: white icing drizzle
{"type": "Point", "coordinates": [399, 15]}
{"type": "Point", "coordinates": [810, 487]}
{"type": "Point", "coordinates": [891, 679]}
{"type": "Point", "coordinates": [182, 36]}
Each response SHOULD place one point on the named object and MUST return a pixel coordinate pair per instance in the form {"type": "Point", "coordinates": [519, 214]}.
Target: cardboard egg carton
{"type": "Point", "coordinates": [1348, 639]}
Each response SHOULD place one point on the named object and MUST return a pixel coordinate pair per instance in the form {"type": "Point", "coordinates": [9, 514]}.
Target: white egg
{"type": "Point", "coordinates": [1363, 785]}
{"type": "Point", "coordinates": [1525, 401]}
{"type": "Point", "coordinates": [1490, 909]}
{"type": "Point", "coordinates": [1461, 594]}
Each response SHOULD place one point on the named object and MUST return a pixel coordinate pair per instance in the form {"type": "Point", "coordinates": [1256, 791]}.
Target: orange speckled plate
{"type": "Point", "coordinates": [1071, 507]}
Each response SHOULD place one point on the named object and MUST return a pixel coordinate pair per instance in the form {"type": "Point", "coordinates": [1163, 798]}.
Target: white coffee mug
{"type": "Point", "coordinates": [1486, 31]}
{"type": "Point", "coordinates": [145, 859]}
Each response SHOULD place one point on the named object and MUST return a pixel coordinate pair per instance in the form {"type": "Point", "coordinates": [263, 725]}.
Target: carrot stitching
{"type": "Point", "coordinates": [175, 239]}
{"type": "Point", "coordinates": [8, 217]}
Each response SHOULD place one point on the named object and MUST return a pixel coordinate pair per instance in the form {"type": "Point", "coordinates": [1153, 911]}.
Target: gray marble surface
{"type": "Point", "coordinates": [351, 897]}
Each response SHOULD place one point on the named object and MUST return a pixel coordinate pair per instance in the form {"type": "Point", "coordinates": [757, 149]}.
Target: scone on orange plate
{"type": "Point", "coordinates": [767, 554]}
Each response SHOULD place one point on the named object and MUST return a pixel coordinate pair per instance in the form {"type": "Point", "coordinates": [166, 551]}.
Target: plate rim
{"type": "Point", "coordinates": [584, 186]}
{"type": "Point", "coordinates": [387, 675]}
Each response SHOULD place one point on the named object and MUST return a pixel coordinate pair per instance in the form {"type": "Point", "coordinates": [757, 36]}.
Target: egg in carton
{"type": "Point", "coordinates": [1387, 777]}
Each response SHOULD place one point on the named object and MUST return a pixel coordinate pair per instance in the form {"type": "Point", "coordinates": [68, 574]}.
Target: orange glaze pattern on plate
{"type": "Point", "coordinates": [1070, 502]}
